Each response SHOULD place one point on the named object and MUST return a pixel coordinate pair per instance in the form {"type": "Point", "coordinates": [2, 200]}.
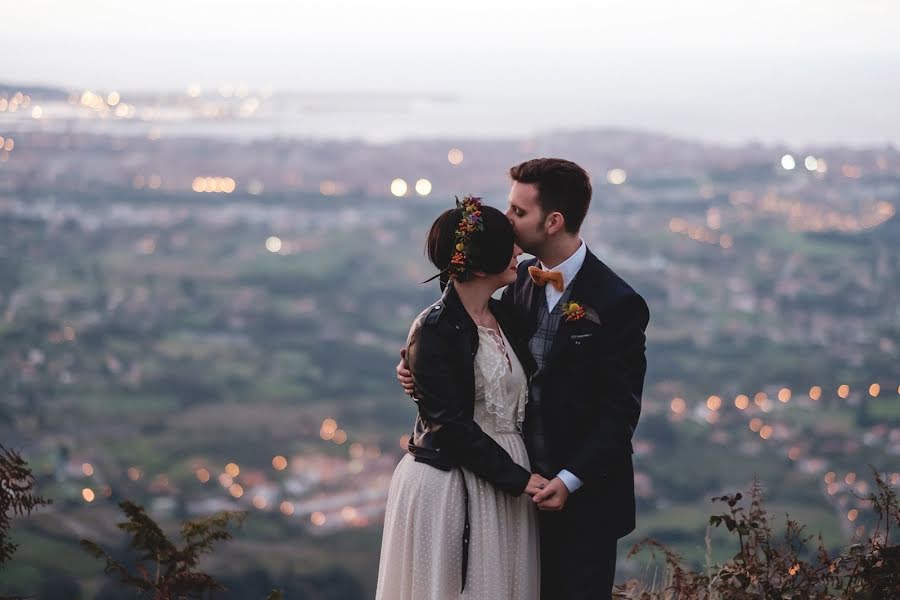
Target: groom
{"type": "Point", "coordinates": [585, 327]}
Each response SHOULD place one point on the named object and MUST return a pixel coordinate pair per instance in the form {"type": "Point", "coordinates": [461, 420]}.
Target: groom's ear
{"type": "Point", "coordinates": [555, 223]}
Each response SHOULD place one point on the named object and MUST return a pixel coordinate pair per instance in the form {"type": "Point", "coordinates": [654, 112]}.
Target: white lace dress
{"type": "Point", "coordinates": [421, 550]}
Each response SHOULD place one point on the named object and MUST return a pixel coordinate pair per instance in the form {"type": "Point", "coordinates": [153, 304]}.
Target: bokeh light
{"type": "Point", "coordinates": [616, 176]}
{"type": "Point", "coordinates": [423, 187]}
{"type": "Point", "coordinates": [273, 244]}
{"type": "Point", "coordinates": [399, 187]}
{"type": "Point", "coordinates": [455, 156]}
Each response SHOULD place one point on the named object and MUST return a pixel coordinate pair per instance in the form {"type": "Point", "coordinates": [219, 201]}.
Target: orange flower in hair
{"type": "Point", "coordinates": [461, 260]}
{"type": "Point", "coordinates": [469, 224]}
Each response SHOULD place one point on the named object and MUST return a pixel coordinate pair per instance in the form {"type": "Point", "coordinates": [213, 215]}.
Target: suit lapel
{"type": "Point", "coordinates": [531, 301]}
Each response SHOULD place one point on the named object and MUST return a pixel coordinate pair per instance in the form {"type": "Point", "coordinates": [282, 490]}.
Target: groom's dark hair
{"type": "Point", "coordinates": [562, 185]}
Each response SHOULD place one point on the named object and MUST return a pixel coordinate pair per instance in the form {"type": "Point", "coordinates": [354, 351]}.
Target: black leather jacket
{"type": "Point", "coordinates": [441, 351]}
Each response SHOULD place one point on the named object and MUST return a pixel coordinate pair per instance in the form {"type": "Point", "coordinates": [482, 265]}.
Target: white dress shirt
{"type": "Point", "coordinates": [569, 269]}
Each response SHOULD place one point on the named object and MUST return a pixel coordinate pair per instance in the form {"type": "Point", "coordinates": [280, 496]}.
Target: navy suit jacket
{"type": "Point", "coordinates": [591, 388]}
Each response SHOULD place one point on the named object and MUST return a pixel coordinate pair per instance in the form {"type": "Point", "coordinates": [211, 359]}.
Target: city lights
{"type": "Point", "coordinates": [455, 156]}
{"type": "Point", "coordinates": [183, 332]}
{"type": "Point", "coordinates": [616, 176]}
{"type": "Point", "coordinates": [273, 244]}
{"type": "Point", "coordinates": [215, 185]}
{"type": "Point", "coordinates": [423, 187]}
{"type": "Point", "coordinates": [399, 187]}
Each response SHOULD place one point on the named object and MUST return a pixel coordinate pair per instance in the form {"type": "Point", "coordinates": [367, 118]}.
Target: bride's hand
{"type": "Point", "coordinates": [535, 484]}
{"type": "Point", "coordinates": [404, 376]}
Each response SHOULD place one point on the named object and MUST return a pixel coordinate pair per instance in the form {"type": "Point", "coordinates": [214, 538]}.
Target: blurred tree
{"type": "Point", "coordinates": [16, 498]}
{"type": "Point", "coordinates": [163, 571]}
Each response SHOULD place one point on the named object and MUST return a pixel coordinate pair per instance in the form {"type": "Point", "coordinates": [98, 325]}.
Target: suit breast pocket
{"type": "Point", "coordinates": [580, 350]}
{"type": "Point", "coordinates": [581, 339]}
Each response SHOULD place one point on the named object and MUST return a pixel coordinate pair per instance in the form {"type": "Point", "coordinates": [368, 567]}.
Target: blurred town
{"type": "Point", "coordinates": [199, 311]}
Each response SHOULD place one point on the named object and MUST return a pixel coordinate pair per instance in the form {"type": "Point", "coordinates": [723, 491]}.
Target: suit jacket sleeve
{"type": "Point", "coordinates": [621, 364]}
{"type": "Point", "coordinates": [444, 403]}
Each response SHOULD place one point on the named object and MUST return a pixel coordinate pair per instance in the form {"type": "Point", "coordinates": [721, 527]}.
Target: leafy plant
{"type": "Point", "coordinates": [774, 568]}
{"type": "Point", "coordinates": [16, 499]}
{"type": "Point", "coordinates": [164, 571]}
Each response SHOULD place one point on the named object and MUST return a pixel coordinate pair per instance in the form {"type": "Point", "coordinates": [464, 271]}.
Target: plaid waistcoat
{"type": "Point", "coordinates": [540, 344]}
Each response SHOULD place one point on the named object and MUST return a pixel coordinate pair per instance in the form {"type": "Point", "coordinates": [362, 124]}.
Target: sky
{"type": "Point", "coordinates": [780, 25]}
{"type": "Point", "coordinates": [817, 70]}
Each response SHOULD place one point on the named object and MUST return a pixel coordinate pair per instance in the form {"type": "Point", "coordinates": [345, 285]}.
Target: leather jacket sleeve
{"type": "Point", "coordinates": [621, 366]}
{"type": "Point", "coordinates": [446, 404]}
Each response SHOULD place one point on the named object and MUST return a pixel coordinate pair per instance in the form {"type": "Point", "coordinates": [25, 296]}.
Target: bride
{"type": "Point", "coordinates": [457, 523]}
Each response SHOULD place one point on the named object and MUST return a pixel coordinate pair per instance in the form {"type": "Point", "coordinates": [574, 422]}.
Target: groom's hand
{"type": "Point", "coordinates": [535, 484]}
{"type": "Point", "coordinates": [404, 375]}
{"type": "Point", "coordinates": [553, 496]}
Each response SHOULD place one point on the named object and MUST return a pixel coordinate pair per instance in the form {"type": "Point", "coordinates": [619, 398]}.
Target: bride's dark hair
{"type": "Point", "coordinates": [489, 250]}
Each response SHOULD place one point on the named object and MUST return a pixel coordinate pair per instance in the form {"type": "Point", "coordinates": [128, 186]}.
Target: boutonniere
{"type": "Point", "coordinates": [575, 311]}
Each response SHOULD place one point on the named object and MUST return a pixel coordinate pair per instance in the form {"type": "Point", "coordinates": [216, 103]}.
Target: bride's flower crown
{"type": "Point", "coordinates": [469, 224]}
{"type": "Point", "coordinates": [471, 221]}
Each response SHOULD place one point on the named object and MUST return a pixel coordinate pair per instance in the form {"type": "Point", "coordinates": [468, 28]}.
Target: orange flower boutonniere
{"type": "Point", "coordinates": [576, 311]}
{"type": "Point", "coordinates": [573, 311]}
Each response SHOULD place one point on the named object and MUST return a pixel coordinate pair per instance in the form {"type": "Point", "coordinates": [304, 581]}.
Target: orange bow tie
{"type": "Point", "coordinates": [542, 278]}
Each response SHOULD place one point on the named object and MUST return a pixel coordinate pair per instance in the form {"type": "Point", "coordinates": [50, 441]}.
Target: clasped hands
{"type": "Point", "coordinates": [547, 494]}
